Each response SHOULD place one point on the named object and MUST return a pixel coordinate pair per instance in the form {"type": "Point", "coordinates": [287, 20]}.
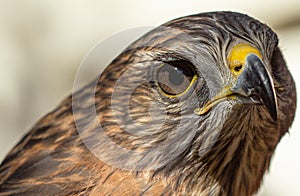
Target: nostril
{"type": "Point", "coordinates": [238, 68]}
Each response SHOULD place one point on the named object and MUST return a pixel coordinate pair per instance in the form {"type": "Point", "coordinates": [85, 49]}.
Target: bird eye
{"type": "Point", "coordinates": [175, 78]}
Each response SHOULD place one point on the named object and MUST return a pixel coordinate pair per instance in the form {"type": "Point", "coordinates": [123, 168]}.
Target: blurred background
{"type": "Point", "coordinates": [42, 44]}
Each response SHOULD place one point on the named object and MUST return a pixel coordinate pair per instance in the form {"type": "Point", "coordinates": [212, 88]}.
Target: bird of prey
{"type": "Point", "coordinates": [194, 107]}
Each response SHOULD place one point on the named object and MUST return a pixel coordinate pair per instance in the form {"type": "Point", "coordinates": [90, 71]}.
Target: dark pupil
{"type": "Point", "coordinates": [175, 77]}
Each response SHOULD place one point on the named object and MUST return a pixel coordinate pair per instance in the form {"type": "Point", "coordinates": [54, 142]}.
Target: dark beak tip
{"type": "Point", "coordinates": [256, 80]}
{"type": "Point", "coordinates": [273, 109]}
{"type": "Point", "coordinates": [273, 112]}
{"type": "Point", "coordinates": [274, 117]}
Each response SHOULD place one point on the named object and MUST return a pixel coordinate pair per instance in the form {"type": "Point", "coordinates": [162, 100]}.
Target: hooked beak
{"type": "Point", "coordinates": [254, 85]}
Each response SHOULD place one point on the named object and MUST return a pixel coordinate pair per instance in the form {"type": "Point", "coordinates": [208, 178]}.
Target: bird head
{"type": "Point", "coordinates": [202, 100]}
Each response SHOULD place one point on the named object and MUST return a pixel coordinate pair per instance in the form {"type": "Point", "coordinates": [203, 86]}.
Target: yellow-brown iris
{"type": "Point", "coordinates": [175, 78]}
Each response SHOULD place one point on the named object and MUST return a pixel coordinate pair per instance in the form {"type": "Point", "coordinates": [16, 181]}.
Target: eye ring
{"type": "Point", "coordinates": [175, 78]}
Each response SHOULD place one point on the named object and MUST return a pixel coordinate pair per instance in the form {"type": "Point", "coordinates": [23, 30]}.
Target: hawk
{"type": "Point", "coordinates": [194, 107]}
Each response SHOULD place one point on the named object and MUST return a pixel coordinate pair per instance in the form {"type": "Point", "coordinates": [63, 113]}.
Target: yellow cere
{"type": "Point", "coordinates": [237, 57]}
